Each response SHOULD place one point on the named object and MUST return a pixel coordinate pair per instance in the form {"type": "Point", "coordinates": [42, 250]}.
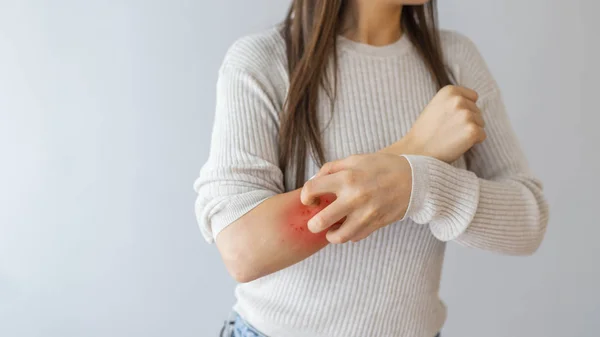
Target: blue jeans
{"type": "Point", "coordinates": [238, 327]}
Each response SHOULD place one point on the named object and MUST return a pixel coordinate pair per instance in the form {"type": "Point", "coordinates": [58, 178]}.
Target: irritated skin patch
{"type": "Point", "coordinates": [296, 220]}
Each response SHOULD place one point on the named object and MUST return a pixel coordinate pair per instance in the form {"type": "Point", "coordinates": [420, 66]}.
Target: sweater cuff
{"type": "Point", "coordinates": [443, 196]}
{"type": "Point", "coordinates": [220, 212]}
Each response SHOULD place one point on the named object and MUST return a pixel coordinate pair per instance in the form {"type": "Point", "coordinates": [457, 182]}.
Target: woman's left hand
{"type": "Point", "coordinates": [372, 191]}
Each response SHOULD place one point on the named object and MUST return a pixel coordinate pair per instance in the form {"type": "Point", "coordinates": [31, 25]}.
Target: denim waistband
{"type": "Point", "coordinates": [236, 326]}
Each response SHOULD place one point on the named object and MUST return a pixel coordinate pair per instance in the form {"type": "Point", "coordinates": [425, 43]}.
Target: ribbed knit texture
{"type": "Point", "coordinates": [387, 284]}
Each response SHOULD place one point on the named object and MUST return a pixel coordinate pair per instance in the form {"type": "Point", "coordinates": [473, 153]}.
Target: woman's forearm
{"type": "Point", "coordinates": [403, 146]}
{"type": "Point", "coordinates": [270, 237]}
{"type": "Point", "coordinates": [274, 235]}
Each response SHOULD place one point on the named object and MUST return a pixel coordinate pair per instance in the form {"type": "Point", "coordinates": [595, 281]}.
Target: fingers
{"type": "Point", "coordinates": [338, 165]}
{"type": "Point", "coordinates": [481, 136]}
{"type": "Point", "coordinates": [468, 93]}
{"type": "Point", "coordinates": [349, 231]}
{"type": "Point", "coordinates": [478, 119]}
{"type": "Point", "coordinates": [325, 170]}
{"type": "Point", "coordinates": [470, 105]}
{"type": "Point", "coordinates": [470, 117]}
{"type": "Point", "coordinates": [476, 113]}
{"type": "Point", "coordinates": [318, 186]}
{"type": "Point", "coordinates": [474, 110]}
{"type": "Point", "coordinates": [357, 226]}
{"type": "Point", "coordinates": [346, 232]}
{"type": "Point", "coordinates": [476, 133]}
{"type": "Point", "coordinates": [332, 167]}
{"type": "Point", "coordinates": [470, 111]}
{"type": "Point", "coordinates": [328, 216]}
{"type": "Point", "coordinates": [455, 90]}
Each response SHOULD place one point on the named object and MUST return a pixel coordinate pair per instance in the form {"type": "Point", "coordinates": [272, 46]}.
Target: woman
{"type": "Point", "coordinates": [404, 130]}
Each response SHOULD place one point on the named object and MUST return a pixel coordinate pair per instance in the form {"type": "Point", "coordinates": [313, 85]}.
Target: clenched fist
{"type": "Point", "coordinates": [449, 126]}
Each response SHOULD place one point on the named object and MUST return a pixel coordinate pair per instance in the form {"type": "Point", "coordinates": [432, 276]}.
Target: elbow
{"type": "Point", "coordinates": [238, 257]}
{"type": "Point", "coordinates": [540, 227]}
{"type": "Point", "coordinates": [241, 272]}
{"type": "Point", "coordinates": [535, 238]}
{"type": "Point", "coordinates": [241, 275]}
{"type": "Point", "coordinates": [525, 242]}
{"type": "Point", "coordinates": [537, 230]}
{"type": "Point", "coordinates": [530, 248]}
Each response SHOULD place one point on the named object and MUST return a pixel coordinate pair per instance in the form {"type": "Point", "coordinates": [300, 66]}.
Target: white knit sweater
{"type": "Point", "coordinates": [387, 284]}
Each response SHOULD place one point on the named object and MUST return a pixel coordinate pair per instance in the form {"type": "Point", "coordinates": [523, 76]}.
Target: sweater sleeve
{"type": "Point", "coordinates": [242, 169]}
{"type": "Point", "coordinates": [497, 204]}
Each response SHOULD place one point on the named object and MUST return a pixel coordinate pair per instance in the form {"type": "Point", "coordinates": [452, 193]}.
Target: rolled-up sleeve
{"type": "Point", "coordinates": [242, 169]}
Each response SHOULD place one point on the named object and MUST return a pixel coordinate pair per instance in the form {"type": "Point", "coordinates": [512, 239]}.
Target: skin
{"type": "Point", "coordinates": [375, 22]}
{"type": "Point", "coordinates": [351, 198]}
{"type": "Point", "coordinates": [272, 236]}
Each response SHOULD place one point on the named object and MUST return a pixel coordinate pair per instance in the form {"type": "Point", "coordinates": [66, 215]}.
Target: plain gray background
{"type": "Point", "coordinates": [106, 111]}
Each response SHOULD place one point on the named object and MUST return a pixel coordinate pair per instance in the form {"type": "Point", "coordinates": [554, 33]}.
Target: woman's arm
{"type": "Point", "coordinates": [271, 237]}
{"type": "Point", "coordinates": [496, 205]}
{"type": "Point", "coordinates": [502, 210]}
{"type": "Point", "coordinates": [374, 190]}
{"type": "Point", "coordinates": [241, 202]}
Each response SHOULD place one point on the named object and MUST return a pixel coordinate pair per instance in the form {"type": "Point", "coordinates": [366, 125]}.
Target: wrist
{"type": "Point", "coordinates": [404, 182]}
{"type": "Point", "coordinates": [406, 145]}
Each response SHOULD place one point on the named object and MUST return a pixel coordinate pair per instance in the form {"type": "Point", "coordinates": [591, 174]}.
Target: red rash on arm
{"type": "Point", "coordinates": [295, 229]}
{"type": "Point", "coordinates": [272, 236]}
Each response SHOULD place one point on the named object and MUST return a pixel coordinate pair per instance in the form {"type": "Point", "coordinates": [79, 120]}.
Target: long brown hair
{"type": "Point", "coordinates": [310, 31]}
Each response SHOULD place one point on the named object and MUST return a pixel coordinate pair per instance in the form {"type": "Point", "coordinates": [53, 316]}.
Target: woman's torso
{"type": "Point", "coordinates": [387, 284]}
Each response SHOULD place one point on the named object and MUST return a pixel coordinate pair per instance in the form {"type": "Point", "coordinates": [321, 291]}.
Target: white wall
{"type": "Point", "coordinates": [106, 109]}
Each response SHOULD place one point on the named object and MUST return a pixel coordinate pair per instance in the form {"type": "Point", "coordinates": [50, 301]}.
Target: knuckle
{"type": "Point", "coordinates": [457, 102]}
{"type": "Point", "coordinates": [359, 197]}
{"type": "Point", "coordinates": [448, 89]}
{"type": "Point", "coordinates": [373, 213]}
{"type": "Point", "coordinates": [366, 218]}
{"type": "Point", "coordinates": [472, 131]}
{"type": "Point", "coordinates": [465, 114]}
{"type": "Point", "coordinates": [349, 177]}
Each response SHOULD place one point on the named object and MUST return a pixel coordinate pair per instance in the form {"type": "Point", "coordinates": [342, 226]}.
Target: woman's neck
{"type": "Point", "coordinates": [368, 22]}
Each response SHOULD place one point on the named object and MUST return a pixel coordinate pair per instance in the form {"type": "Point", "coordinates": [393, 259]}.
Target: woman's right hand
{"type": "Point", "coordinates": [448, 126]}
